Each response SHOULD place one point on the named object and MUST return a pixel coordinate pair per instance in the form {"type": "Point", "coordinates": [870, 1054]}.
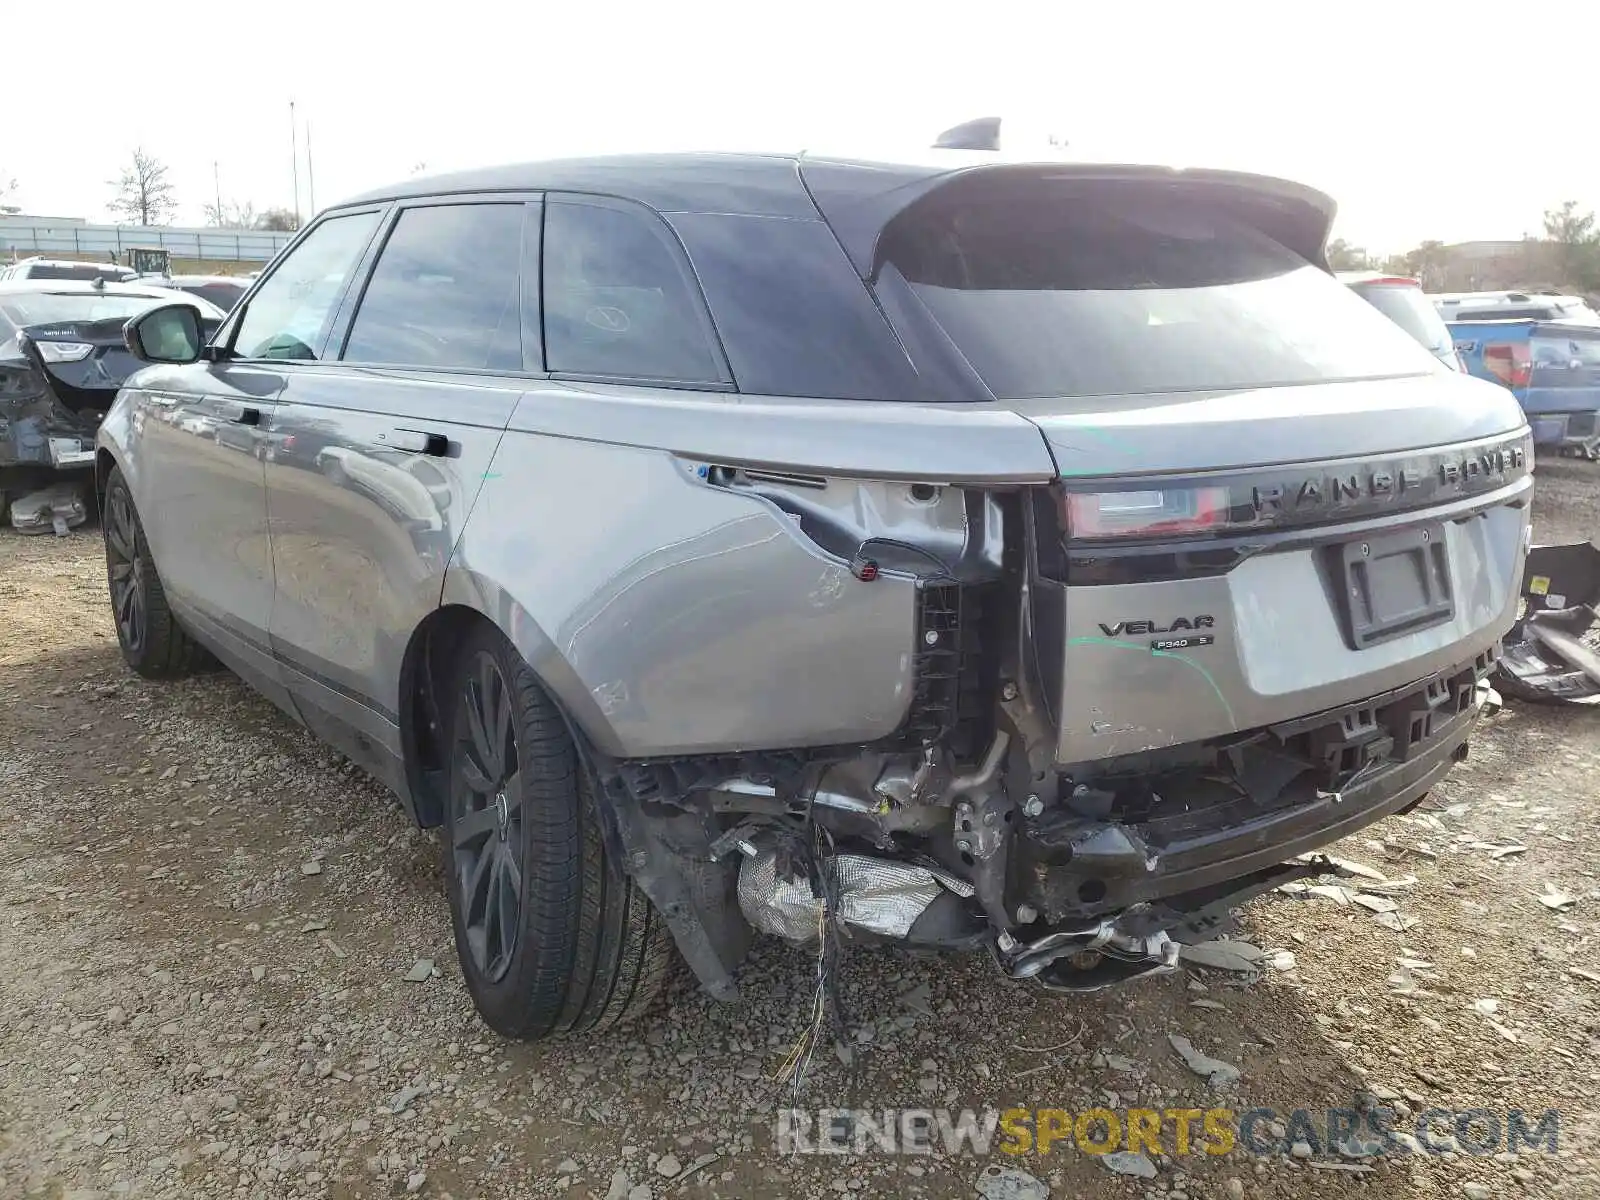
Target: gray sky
{"type": "Point", "coordinates": [1356, 98]}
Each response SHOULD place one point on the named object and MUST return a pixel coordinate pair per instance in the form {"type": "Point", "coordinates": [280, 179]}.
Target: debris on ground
{"type": "Point", "coordinates": [1555, 899]}
{"type": "Point", "coordinates": [1008, 1183]}
{"type": "Point", "coordinates": [1218, 1073]}
{"type": "Point", "coordinates": [423, 969]}
{"type": "Point", "coordinates": [1126, 1162]}
{"type": "Point", "coordinates": [54, 509]}
{"type": "Point", "coordinates": [1223, 955]}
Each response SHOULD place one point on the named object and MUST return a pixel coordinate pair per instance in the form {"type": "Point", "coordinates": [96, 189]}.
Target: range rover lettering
{"type": "Point", "coordinates": [961, 555]}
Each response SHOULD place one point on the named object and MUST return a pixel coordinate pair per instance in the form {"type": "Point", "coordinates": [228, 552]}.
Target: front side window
{"type": "Point", "coordinates": [288, 316]}
{"type": "Point", "coordinates": [619, 301]}
{"type": "Point", "coordinates": [446, 291]}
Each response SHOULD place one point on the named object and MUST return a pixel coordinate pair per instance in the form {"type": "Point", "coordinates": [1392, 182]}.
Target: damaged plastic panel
{"type": "Point", "coordinates": [54, 509]}
{"type": "Point", "coordinates": [1551, 654]}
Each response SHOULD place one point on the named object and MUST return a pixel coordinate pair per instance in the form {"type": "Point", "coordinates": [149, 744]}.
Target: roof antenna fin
{"type": "Point", "coordinates": [980, 134]}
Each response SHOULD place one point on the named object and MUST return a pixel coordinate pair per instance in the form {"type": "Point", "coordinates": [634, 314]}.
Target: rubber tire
{"type": "Point", "coordinates": [168, 651]}
{"type": "Point", "coordinates": [592, 952]}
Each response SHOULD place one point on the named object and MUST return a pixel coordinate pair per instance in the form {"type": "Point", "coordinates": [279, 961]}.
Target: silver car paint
{"type": "Point", "coordinates": [200, 496]}
{"type": "Point", "coordinates": [1185, 431]}
{"type": "Point", "coordinates": [1279, 650]}
{"type": "Point", "coordinates": [362, 531]}
{"type": "Point", "coordinates": [673, 617]}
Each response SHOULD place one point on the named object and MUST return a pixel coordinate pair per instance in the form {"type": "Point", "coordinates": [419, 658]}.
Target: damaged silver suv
{"type": "Point", "coordinates": [1030, 558]}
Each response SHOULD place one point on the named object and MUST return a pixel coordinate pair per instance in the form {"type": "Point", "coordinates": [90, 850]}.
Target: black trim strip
{"type": "Point", "coordinates": [1154, 562]}
{"type": "Point", "coordinates": [1337, 490]}
{"type": "Point", "coordinates": [232, 629]}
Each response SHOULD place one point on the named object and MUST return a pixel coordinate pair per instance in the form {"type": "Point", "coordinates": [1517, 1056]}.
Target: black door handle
{"type": "Point", "coordinates": [415, 441]}
{"type": "Point", "coordinates": [248, 416]}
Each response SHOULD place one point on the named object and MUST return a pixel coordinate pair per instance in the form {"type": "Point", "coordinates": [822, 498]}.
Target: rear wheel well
{"type": "Point", "coordinates": [424, 674]}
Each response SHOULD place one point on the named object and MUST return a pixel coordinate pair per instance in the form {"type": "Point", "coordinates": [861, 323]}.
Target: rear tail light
{"type": "Point", "coordinates": [1165, 513]}
{"type": "Point", "coordinates": [1508, 362]}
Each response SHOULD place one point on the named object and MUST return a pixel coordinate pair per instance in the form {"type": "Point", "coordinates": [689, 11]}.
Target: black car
{"type": "Point", "coordinates": [62, 359]}
{"type": "Point", "coordinates": [222, 290]}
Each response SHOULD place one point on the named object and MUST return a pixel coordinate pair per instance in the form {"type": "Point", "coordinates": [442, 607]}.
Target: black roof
{"type": "Point", "coordinates": [856, 196]}
{"type": "Point", "coordinates": [754, 184]}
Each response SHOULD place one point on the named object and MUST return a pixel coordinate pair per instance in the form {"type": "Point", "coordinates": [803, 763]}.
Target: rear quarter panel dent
{"type": "Point", "coordinates": [674, 618]}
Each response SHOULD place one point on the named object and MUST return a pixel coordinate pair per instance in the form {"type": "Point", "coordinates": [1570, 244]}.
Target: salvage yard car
{"type": "Point", "coordinates": [1402, 300]}
{"type": "Point", "coordinates": [1551, 367]}
{"type": "Point", "coordinates": [962, 555]}
{"type": "Point", "coordinates": [62, 359]}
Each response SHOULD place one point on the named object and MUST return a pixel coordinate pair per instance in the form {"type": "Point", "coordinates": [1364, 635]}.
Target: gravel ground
{"type": "Point", "coordinates": [211, 929]}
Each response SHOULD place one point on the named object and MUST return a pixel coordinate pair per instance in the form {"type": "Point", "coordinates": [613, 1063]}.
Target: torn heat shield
{"type": "Point", "coordinates": [876, 895]}
{"type": "Point", "coordinates": [1550, 655]}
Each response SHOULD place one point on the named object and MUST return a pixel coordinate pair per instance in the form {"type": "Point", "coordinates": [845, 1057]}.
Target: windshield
{"type": "Point", "coordinates": [39, 308]}
{"type": "Point", "coordinates": [1072, 287]}
{"type": "Point", "coordinates": [1409, 308]}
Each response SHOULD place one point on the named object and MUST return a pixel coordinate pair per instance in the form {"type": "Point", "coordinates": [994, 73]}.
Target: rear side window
{"type": "Point", "coordinates": [793, 315]}
{"type": "Point", "coordinates": [446, 291]}
{"type": "Point", "coordinates": [288, 316]}
{"type": "Point", "coordinates": [619, 300]}
{"type": "Point", "coordinates": [1076, 288]}
{"type": "Point", "coordinates": [1410, 309]}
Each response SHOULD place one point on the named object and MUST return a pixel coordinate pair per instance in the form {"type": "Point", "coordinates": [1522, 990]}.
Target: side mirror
{"type": "Point", "coordinates": [168, 334]}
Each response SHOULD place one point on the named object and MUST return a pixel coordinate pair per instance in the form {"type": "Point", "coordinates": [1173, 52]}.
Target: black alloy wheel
{"type": "Point", "coordinates": [486, 829]}
{"type": "Point", "coordinates": [125, 571]}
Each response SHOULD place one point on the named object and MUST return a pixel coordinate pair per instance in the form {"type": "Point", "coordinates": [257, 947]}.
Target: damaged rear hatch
{"type": "Point", "coordinates": [62, 360]}
{"type": "Point", "coordinates": [1271, 502]}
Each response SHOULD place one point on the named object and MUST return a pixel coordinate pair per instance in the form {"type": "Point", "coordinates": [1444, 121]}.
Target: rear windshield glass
{"type": "Point", "coordinates": [1408, 308]}
{"type": "Point", "coordinates": [65, 271]}
{"type": "Point", "coordinates": [41, 308]}
{"type": "Point", "coordinates": [1066, 288]}
{"type": "Point", "coordinates": [1506, 314]}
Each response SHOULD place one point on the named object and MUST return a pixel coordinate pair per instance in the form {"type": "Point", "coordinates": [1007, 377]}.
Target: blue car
{"type": "Point", "coordinates": [1553, 368]}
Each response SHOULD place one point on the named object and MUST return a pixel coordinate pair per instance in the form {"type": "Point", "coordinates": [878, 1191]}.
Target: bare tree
{"type": "Point", "coordinates": [144, 194]}
{"type": "Point", "coordinates": [1576, 244]}
{"type": "Point", "coordinates": [1342, 256]}
{"type": "Point", "coordinates": [279, 220]}
{"type": "Point", "coordinates": [231, 216]}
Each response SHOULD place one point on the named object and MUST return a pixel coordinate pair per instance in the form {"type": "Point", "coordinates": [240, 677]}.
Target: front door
{"type": "Point", "coordinates": [203, 487]}
{"type": "Point", "coordinates": [202, 498]}
{"type": "Point", "coordinates": [375, 460]}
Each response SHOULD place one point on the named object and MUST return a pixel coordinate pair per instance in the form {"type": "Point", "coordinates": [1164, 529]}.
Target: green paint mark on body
{"type": "Point", "coordinates": [1183, 658]}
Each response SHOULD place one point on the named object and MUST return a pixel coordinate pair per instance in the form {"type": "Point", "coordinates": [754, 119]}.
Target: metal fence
{"type": "Point", "coordinates": [242, 245]}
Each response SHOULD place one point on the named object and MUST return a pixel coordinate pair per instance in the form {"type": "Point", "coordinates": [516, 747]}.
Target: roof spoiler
{"type": "Point", "coordinates": [858, 200]}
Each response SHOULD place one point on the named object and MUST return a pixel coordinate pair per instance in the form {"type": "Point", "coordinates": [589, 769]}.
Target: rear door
{"type": "Point", "coordinates": [376, 455]}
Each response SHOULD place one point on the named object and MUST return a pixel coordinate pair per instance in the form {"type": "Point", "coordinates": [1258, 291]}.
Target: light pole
{"type": "Point", "coordinates": [216, 178]}
{"type": "Point", "coordinates": [294, 159]}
